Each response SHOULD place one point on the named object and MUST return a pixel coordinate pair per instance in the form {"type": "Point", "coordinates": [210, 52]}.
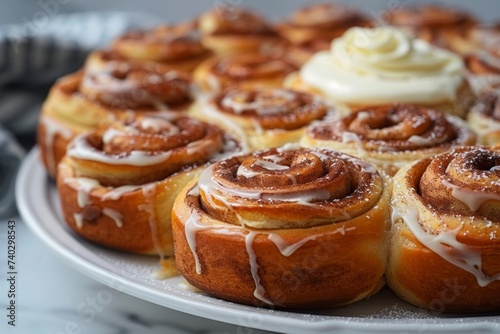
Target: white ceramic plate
{"type": "Point", "coordinates": [39, 207]}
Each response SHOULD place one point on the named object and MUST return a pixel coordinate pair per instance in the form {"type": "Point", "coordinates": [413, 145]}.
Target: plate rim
{"type": "Point", "coordinates": [31, 167]}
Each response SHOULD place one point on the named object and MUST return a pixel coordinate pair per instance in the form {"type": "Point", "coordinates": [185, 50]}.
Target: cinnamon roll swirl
{"type": "Point", "coordinates": [324, 21]}
{"type": "Point", "coordinates": [483, 71]}
{"type": "Point", "coordinates": [445, 249]}
{"type": "Point", "coordinates": [265, 117]}
{"type": "Point", "coordinates": [177, 46]}
{"type": "Point", "coordinates": [231, 30]}
{"type": "Point", "coordinates": [485, 36]}
{"type": "Point", "coordinates": [300, 228]}
{"type": "Point", "coordinates": [246, 70]}
{"type": "Point", "coordinates": [436, 24]}
{"type": "Point", "coordinates": [104, 91]}
{"type": "Point", "coordinates": [484, 119]}
{"type": "Point", "coordinates": [117, 185]}
{"type": "Point", "coordinates": [392, 135]}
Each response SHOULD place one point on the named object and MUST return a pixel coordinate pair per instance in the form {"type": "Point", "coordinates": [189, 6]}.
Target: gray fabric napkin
{"type": "Point", "coordinates": [11, 155]}
{"type": "Point", "coordinates": [32, 57]}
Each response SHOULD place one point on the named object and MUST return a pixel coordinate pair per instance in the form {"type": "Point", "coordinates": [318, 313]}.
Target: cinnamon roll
{"type": "Point", "coordinates": [324, 21]}
{"type": "Point", "coordinates": [436, 24]}
{"type": "Point", "coordinates": [445, 249]}
{"type": "Point", "coordinates": [265, 117]}
{"type": "Point", "coordinates": [484, 119]}
{"type": "Point", "coordinates": [231, 30]}
{"type": "Point", "coordinates": [373, 66]}
{"type": "Point", "coordinates": [177, 46]}
{"type": "Point", "coordinates": [117, 185]}
{"type": "Point", "coordinates": [246, 70]}
{"type": "Point", "coordinates": [392, 135]}
{"type": "Point", "coordinates": [300, 53]}
{"type": "Point", "coordinates": [106, 90]}
{"type": "Point", "coordinates": [484, 36]}
{"type": "Point", "coordinates": [299, 228]}
{"type": "Point", "coordinates": [483, 71]}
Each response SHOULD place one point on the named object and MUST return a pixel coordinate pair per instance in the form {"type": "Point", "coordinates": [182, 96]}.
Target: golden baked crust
{"type": "Point", "coordinates": [246, 70]}
{"type": "Point", "coordinates": [66, 113]}
{"type": "Point", "coordinates": [263, 117]}
{"type": "Point", "coordinates": [324, 21]}
{"type": "Point", "coordinates": [177, 46]}
{"type": "Point", "coordinates": [436, 24]}
{"type": "Point", "coordinates": [117, 185]}
{"type": "Point", "coordinates": [483, 71]}
{"type": "Point", "coordinates": [445, 247]}
{"type": "Point", "coordinates": [484, 119]}
{"type": "Point", "coordinates": [286, 227]}
{"type": "Point", "coordinates": [106, 90]}
{"type": "Point", "coordinates": [391, 136]}
{"type": "Point", "coordinates": [229, 30]}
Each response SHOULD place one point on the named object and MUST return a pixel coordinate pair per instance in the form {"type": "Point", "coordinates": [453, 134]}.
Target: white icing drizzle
{"type": "Point", "coordinates": [363, 115]}
{"type": "Point", "coordinates": [462, 256]}
{"type": "Point", "coordinates": [213, 83]}
{"type": "Point", "coordinates": [351, 137]}
{"type": "Point", "coordinates": [470, 197]}
{"type": "Point", "coordinates": [269, 165]}
{"type": "Point", "coordinates": [149, 192]}
{"type": "Point", "coordinates": [287, 249]}
{"type": "Point", "coordinates": [259, 291]}
{"type": "Point", "coordinates": [83, 187]}
{"type": "Point", "coordinates": [82, 150]}
{"type": "Point", "coordinates": [102, 78]}
{"type": "Point", "coordinates": [52, 129]}
{"type": "Point", "coordinates": [78, 217]}
{"type": "Point", "coordinates": [109, 135]}
{"type": "Point", "coordinates": [195, 191]}
{"type": "Point", "coordinates": [116, 193]}
{"type": "Point", "coordinates": [115, 215]}
{"type": "Point", "coordinates": [245, 172]}
{"type": "Point", "coordinates": [292, 178]}
{"type": "Point", "coordinates": [263, 104]}
{"type": "Point", "coordinates": [365, 166]}
{"type": "Point", "coordinates": [193, 225]}
{"type": "Point", "coordinates": [419, 140]}
{"type": "Point", "coordinates": [321, 156]}
{"type": "Point", "coordinates": [288, 147]}
{"type": "Point", "coordinates": [191, 228]}
{"type": "Point", "coordinates": [210, 112]}
{"type": "Point", "coordinates": [208, 184]}
{"type": "Point", "coordinates": [197, 146]}
{"type": "Point", "coordinates": [259, 130]}
{"type": "Point", "coordinates": [159, 124]}
{"type": "Point", "coordinates": [274, 158]}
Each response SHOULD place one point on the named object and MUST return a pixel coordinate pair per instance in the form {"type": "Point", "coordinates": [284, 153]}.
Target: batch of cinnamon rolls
{"type": "Point", "coordinates": [302, 163]}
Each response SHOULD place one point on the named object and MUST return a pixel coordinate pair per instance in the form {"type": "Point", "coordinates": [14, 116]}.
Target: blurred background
{"type": "Point", "coordinates": [20, 10]}
{"type": "Point", "coordinates": [96, 22]}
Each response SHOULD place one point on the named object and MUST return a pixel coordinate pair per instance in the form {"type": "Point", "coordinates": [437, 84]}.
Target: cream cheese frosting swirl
{"type": "Point", "coordinates": [382, 65]}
